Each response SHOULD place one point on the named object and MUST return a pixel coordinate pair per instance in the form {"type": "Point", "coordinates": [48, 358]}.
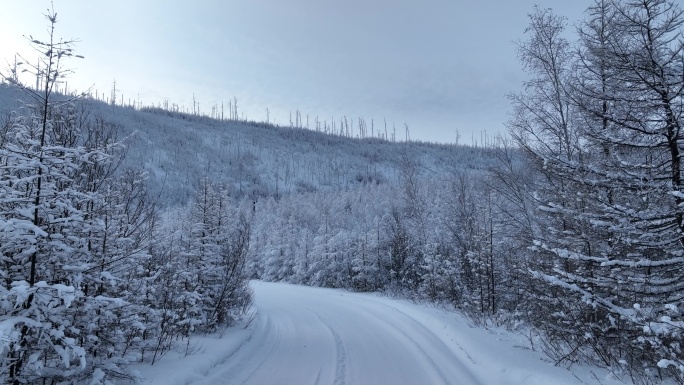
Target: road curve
{"type": "Point", "coordinates": [305, 335]}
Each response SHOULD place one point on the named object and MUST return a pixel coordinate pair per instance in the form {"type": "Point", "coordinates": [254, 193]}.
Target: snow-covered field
{"type": "Point", "coordinates": [305, 335]}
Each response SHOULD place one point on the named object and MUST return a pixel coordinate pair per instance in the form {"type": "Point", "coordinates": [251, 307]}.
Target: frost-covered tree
{"type": "Point", "coordinates": [221, 231]}
{"type": "Point", "coordinates": [468, 225]}
{"type": "Point", "coordinates": [206, 259]}
{"type": "Point", "coordinates": [611, 250]}
{"type": "Point", "coordinates": [53, 172]}
{"type": "Point", "coordinates": [512, 187]}
{"type": "Point", "coordinates": [123, 267]}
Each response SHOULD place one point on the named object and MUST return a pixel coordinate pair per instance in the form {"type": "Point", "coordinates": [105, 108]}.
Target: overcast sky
{"type": "Point", "coordinates": [440, 66]}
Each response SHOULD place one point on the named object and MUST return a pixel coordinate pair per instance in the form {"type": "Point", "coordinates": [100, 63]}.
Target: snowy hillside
{"type": "Point", "coordinates": [258, 158]}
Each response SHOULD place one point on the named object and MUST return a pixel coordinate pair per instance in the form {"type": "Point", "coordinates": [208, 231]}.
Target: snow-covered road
{"type": "Point", "coordinates": [316, 336]}
{"type": "Point", "coordinates": [304, 335]}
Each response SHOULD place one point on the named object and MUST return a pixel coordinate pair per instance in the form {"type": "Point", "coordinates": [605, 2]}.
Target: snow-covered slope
{"type": "Point", "coordinates": [261, 159]}
{"type": "Point", "coordinates": [306, 335]}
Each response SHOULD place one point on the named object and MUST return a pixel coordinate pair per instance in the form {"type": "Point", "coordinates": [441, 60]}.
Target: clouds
{"type": "Point", "coordinates": [429, 63]}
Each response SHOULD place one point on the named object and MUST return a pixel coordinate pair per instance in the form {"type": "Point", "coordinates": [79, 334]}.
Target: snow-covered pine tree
{"type": "Point", "coordinates": [611, 253]}
{"type": "Point", "coordinates": [467, 221]}
{"type": "Point", "coordinates": [122, 268]}
{"type": "Point", "coordinates": [630, 90]}
{"type": "Point", "coordinates": [71, 238]}
{"type": "Point", "coordinates": [221, 231]}
{"type": "Point", "coordinates": [206, 258]}
{"type": "Point", "coordinates": [543, 125]}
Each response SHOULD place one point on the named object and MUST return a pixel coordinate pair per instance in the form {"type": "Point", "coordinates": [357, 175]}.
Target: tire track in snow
{"type": "Point", "coordinates": [318, 377]}
{"type": "Point", "coordinates": [259, 336]}
{"type": "Point", "coordinates": [415, 321]}
{"type": "Point", "coordinates": [341, 357]}
{"type": "Point", "coordinates": [419, 348]}
{"type": "Point", "coordinates": [224, 360]}
{"type": "Point", "coordinates": [428, 335]}
{"type": "Point", "coordinates": [273, 347]}
{"type": "Point", "coordinates": [310, 336]}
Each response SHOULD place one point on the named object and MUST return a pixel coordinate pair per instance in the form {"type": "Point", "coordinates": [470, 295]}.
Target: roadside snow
{"type": "Point", "coordinates": [305, 335]}
{"type": "Point", "coordinates": [204, 354]}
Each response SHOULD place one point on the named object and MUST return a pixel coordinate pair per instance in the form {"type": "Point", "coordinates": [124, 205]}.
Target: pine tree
{"type": "Point", "coordinates": [610, 253]}
{"type": "Point", "coordinates": [70, 236]}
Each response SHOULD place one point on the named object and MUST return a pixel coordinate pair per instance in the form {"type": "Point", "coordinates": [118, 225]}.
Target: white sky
{"type": "Point", "coordinates": [437, 65]}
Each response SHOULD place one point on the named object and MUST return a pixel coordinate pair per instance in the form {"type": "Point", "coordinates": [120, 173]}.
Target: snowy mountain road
{"type": "Point", "coordinates": [315, 336]}
{"type": "Point", "coordinates": [305, 335]}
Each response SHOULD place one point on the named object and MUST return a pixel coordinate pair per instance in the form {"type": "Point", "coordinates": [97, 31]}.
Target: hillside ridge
{"type": "Point", "coordinates": [258, 158]}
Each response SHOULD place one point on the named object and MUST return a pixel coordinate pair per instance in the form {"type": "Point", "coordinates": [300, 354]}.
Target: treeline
{"type": "Point", "coordinates": [472, 240]}
{"type": "Point", "coordinates": [86, 255]}
{"type": "Point", "coordinates": [455, 239]}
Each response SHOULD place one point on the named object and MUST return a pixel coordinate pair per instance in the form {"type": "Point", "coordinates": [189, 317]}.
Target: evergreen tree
{"type": "Point", "coordinates": [611, 250]}
{"type": "Point", "coordinates": [51, 180]}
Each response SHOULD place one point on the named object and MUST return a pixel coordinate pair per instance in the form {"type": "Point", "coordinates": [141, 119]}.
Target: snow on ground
{"type": "Point", "coordinates": [189, 363]}
{"type": "Point", "coordinates": [304, 335]}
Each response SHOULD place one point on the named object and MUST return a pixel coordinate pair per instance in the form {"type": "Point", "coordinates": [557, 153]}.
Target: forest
{"type": "Point", "coordinates": [123, 231]}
